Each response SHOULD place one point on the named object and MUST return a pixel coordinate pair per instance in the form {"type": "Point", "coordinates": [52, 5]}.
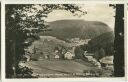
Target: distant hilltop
{"type": "Point", "coordinates": [67, 29]}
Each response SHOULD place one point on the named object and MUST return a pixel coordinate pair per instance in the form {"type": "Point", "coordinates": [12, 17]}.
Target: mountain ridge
{"type": "Point", "coordinates": [67, 29]}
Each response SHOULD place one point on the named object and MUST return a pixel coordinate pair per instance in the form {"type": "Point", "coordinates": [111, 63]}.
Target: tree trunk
{"type": "Point", "coordinates": [14, 59]}
{"type": "Point", "coordinates": [119, 42]}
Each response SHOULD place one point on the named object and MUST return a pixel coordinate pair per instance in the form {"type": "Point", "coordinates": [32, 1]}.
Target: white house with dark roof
{"type": "Point", "coordinates": [68, 55]}
{"type": "Point", "coordinates": [107, 61]}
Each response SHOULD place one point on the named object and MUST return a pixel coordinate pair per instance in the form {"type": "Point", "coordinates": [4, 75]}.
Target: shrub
{"type": "Point", "coordinates": [25, 72]}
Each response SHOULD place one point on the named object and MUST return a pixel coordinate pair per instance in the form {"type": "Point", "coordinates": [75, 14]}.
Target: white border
{"type": "Point", "coordinates": [126, 39]}
{"type": "Point", "coordinates": [116, 79]}
{"type": "Point", "coordinates": [2, 40]}
{"type": "Point", "coordinates": [62, 1]}
{"type": "Point", "coordinates": [0, 46]}
{"type": "Point", "coordinates": [40, 1]}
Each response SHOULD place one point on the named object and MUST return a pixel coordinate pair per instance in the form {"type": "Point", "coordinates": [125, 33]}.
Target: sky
{"type": "Point", "coordinates": [95, 12]}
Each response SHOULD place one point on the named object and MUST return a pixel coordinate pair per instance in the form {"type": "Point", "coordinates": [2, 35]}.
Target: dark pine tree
{"type": "Point", "coordinates": [119, 42]}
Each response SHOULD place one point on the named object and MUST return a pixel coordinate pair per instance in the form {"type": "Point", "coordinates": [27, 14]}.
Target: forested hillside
{"type": "Point", "coordinates": [103, 44]}
{"type": "Point", "coordinates": [67, 29]}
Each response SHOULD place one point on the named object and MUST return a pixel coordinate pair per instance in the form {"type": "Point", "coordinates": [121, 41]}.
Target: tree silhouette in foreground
{"type": "Point", "coordinates": [21, 17]}
{"type": "Point", "coordinates": [119, 42]}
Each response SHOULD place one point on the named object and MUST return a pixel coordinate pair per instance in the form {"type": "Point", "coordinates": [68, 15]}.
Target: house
{"type": "Point", "coordinates": [57, 56]}
{"type": "Point", "coordinates": [68, 55]}
{"type": "Point", "coordinates": [107, 61]}
{"type": "Point", "coordinates": [87, 40]}
{"type": "Point", "coordinates": [46, 56]}
{"type": "Point", "coordinates": [98, 64]}
{"type": "Point", "coordinates": [75, 40]}
{"type": "Point", "coordinates": [89, 56]}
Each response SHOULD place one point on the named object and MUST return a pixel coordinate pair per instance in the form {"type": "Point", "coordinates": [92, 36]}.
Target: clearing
{"type": "Point", "coordinates": [59, 68]}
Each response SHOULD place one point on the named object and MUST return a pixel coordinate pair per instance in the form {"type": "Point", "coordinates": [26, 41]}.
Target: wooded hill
{"type": "Point", "coordinates": [105, 41]}
{"type": "Point", "coordinates": [67, 29]}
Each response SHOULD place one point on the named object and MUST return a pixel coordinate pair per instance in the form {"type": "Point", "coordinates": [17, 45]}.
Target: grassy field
{"type": "Point", "coordinates": [59, 68]}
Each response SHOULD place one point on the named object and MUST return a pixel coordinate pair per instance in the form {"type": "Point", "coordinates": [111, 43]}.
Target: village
{"type": "Point", "coordinates": [60, 53]}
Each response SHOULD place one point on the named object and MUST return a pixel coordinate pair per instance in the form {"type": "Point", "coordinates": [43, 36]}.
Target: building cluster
{"type": "Point", "coordinates": [62, 53]}
{"type": "Point", "coordinates": [105, 62]}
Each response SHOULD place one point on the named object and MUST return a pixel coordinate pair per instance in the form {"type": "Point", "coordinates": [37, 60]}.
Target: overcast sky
{"type": "Point", "coordinates": [95, 12]}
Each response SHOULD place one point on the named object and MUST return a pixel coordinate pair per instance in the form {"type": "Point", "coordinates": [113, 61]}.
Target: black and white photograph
{"type": "Point", "coordinates": [64, 40]}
